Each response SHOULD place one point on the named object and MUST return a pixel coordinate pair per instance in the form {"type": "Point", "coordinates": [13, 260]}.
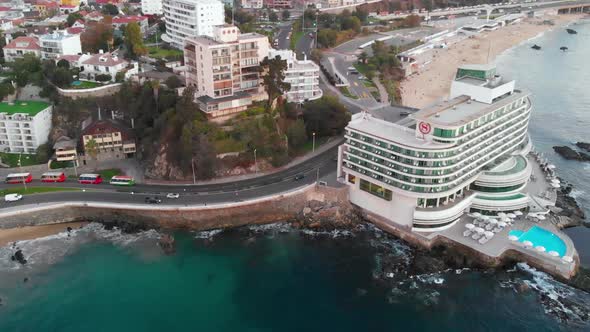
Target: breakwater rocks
{"type": "Point", "coordinates": [569, 213]}
{"type": "Point", "coordinates": [571, 154]}
{"type": "Point", "coordinates": [327, 215]}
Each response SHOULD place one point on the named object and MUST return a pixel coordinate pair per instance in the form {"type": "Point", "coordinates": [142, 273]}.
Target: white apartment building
{"type": "Point", "coordinates": [425, 171]}
{"type": "Point", "coordinates": [59, 43]}
{"type": "Point", "coordinates": [191, 18]}
{"type": "Point", "coordinates": [224, 69]}
{"type": "Point", "coordinates": [151, 7]}
{"type": "Point", "coordinates": [24, 125]}
{"type": "Point", "coordinates": [252, 4]}
{"type": "Point", "coordinates": [303, 75]}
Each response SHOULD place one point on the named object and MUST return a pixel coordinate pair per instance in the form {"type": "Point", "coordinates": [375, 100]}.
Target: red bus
{"type": "Point", "coordinates": [19, 178]}
{"type": "Point", "coordinates": [90, 178]}
{"type": "Point", "coordinates": [53, 177]}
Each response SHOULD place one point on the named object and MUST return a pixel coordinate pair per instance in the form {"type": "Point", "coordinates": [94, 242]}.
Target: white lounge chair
{"type": "Point", "coordinates": [497, 230]}
{"type": "Point", "coordinates": [489, 227]}
{"type": "Point", "coordinates": [467, 233]}
{"type": "Point", "coordinates": [476, 236]}
{"type": "Point", "coordinates": [483, 240]}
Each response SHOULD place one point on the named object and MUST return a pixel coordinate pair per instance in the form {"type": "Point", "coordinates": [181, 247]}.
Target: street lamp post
{"type": "Point", "coordinates": [313, 142]}
{"type": "Point", "coordinates": [20, 167]}
{"type": "Point", "coordinates": [193, 167]}
{"type": "Point", "coordinates": [255, 163]}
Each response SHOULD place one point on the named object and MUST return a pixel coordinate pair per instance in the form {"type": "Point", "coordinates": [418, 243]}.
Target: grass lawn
{"type": "Point", "coordinates": [160, 52]}
{"type": "Point", "coordinates": [295, 39]}
{"type": "Point", "coordinates": [11, 159]}
{"type": "Point", "coordinates": [34, 190]}
{"type": "Point", "coordinates": [107, 174]}
{"type": "Point", "coordinates": [347, 93]}
{"type": "Point", "coordinates": [228, 145]}
{"type": "Point", "coordinates": [61, 164]}
{"type": "Point", "coordinates": [85, 85]}
{"type": "Point", "coordinates": [362, 68]}
{"type": "Point", "coordinates": [23, 106]}
{"type": "Point", "coordinates": [369, 84]}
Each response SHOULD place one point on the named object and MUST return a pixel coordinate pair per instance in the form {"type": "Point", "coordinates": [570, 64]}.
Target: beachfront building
{"type": "Point", "coordinates": [465, 153]}
{"type": "Point", "coordinates": [303, 75]}
{"type": "Point", "coordinates": [24, 125]}
{"type": "Point", "coordinates": [224, 69]}
{"type": "Point", "coordinates": [21, 46]}
{"type": "Point", "coordinates": [191, 18]}
{"type": "Point", "coordinates": [58, 43]}
{"type": "Point", "coordinates": [151, 7]}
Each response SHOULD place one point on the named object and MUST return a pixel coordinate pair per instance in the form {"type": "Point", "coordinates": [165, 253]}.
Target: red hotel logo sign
{"type": "Point", "coordinates": [424, 128]}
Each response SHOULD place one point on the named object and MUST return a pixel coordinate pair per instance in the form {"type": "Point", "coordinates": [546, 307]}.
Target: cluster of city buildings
{"type": "Point", "coordinates": [467, 153]}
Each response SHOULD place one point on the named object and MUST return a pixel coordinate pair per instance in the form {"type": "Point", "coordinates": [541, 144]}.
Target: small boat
{"type": "Point", "coordinates": [563, 48]}
{"type": "Point", "coordinates": [571, 31]}
{"type": "Point", "coordinates": [536, 47]}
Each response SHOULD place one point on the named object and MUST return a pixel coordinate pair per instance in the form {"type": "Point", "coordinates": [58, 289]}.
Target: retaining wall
{"type": "Point", "coordinates": [102, 91]}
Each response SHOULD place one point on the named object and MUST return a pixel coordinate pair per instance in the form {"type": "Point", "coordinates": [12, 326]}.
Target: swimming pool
{"type": "Point", "coordinates": [541, 237]}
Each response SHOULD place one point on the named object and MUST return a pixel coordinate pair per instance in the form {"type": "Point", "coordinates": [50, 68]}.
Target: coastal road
{"type": "Point", "coordinates": [283, 35]}
{"type": "Point", "coordinates": [322, 166]}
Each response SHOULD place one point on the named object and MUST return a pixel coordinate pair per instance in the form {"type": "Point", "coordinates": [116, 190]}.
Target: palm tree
{"type": "Point", "coordinates": [91, 148]}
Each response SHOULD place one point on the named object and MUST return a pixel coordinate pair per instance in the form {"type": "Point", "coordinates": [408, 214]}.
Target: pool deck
{"type": "Point", "coordinates": [500, 247]}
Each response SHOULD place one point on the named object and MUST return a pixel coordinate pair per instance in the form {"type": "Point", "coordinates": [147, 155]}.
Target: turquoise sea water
{"type": "Point", "coordinates": [541, 237]}
{"type": "Point", "coordinates": [279, 279]}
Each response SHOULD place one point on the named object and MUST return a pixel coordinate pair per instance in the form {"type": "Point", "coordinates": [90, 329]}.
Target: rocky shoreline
{"type": "Point", "coordinates": [568, 212]}
{"type": "Point", "coordinates": [571, 154]}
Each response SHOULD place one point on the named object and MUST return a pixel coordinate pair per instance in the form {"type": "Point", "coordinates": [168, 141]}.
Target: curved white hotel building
{"type": "Point", "coordinates": [467, 153]}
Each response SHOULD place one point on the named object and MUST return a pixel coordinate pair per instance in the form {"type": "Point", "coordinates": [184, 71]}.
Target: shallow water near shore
{"type": "Point", "coordinates": [269, 278]}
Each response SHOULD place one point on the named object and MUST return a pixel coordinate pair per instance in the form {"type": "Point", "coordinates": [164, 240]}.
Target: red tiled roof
{"type": "Point", "coordinates": [105, 59]}
{"type": "Point", "coordinates": [128, 19]}
{"type": "Point", "coordinates": [30, 42]}
{"type": "Point", "coordinates": [83, 13]}
{"type": "Point", "coordinates": [4, 9]}
{"type": "Point", "coordinates": [75, 31]}
{"type": "Point", "coordinates": [67, 6]}
{"type": "Point", "coordinates": [108, 127]}
{"type": "Point", "coordinates": [69, 57]}
{"type": "Point", "coordinates": [104, 2]}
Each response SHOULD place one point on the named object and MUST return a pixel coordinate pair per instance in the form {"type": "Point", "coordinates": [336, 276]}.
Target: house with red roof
{"type": "Point", "coordinates": [46, 7]}
{"type": "Point", "coordinates": [95, 16]}
{"type": "Point", "coordinates": [68, 9]}
{"type": "Point", "coordinates": [123, 20]}
{"type": "Point", "coordinates": [112, 139]}
{"type": "Point", "coordinates": [21, 46]}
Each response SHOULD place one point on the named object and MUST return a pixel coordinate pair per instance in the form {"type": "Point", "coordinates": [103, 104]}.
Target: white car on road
{"type": "Point", "coordinates": [173, 195]}
{"type": "Point", "coordinates": [13, 197]}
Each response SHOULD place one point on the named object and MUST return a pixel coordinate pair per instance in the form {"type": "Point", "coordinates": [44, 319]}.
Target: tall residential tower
{"type": "Point", "coordinates": [191, 18]}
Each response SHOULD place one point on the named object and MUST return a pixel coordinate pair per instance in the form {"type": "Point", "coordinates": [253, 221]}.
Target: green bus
{"type": "Point", "coordinates": [120, 180]}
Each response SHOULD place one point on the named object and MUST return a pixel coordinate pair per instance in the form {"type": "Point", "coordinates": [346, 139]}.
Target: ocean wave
{"type": "Point", "coordinates": [565, 303]}
{"type": "Point", "coordinates": [575, 193]}
{"type": "Point", "coordinates": [50, 249]}
{"type": "Point", "coordinates": [280, 227]}
{"type": "Point", "coordinates": [208, 235]}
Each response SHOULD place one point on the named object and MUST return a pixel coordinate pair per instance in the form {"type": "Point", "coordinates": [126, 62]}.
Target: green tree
{"type": "Point", "coordinates": [273, 17]}
{"type": "Point", "coordinates": [62, 77]}
{"type": "Point", "coordinates": [327, 37]}
{"type": "Point", "coordinates": [351, 23]}
{"type": "Point", "coordinates": [6, 89]}
{"type": "Point", "coordinates": [273, 79]}
{"type": "Point", "coordinates": [325, 116]}
{"type": "Point", "coordinates": [43, 153]}
{"type": "Point", "coordinates": [72, 18]}
{"type": "Point", "coordinates": [110, 9]}
{"type": "Point", "coordinates": [134, 40]}
{"type": "Point", "coordinates": [173, 82]}
{"type": "Point", "coordinates": [103, 77]}
{"type": "Point", "coordinates": [286, 14]}
{"type": "Point", "coordinates": [120, 77]}
{"type": "Point", "coordinates": [63, 63]}
{"type": "Point", "coordinates": [361, 14]}
{"type": "Point", "coordinates": [91, 149]}
{"type": "Point", "coordinates": [296, 134]}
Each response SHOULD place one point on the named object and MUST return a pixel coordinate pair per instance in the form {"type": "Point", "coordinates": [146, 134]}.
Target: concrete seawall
{"type": "Point", "coordinates": [286, 206]}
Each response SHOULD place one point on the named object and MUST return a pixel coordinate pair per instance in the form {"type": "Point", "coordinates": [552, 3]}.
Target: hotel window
{"type": "Point", "coordinates": [351, 178]}
{"type": "Point", "coordinates": [376, 190]}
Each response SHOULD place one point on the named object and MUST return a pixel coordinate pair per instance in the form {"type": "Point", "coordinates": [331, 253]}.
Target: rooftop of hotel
{"type": "Point", "coordinates": [389, 131]}
{"type": "Point", "coordinates": [461, 110]}
{"type": "Point", "coordinates": [210, 41]}
{"type": "Point", "coordinates": [56, 35]}
{"type": "Point", "coordinates": [27, 107]}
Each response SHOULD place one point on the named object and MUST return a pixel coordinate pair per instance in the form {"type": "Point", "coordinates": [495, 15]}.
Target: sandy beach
{"type": "Point", "coordinates": [434, 81]}
{"type": "Point", "coordinates": [32, 232]}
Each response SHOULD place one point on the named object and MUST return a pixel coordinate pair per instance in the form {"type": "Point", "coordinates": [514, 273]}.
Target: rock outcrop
{"type": "Point", "coordinates": [571, 154]}
{"type": "Point", "coordinates": [168, 244]}
{"type": "Point", "coordinates": [19, 257]}
{"type": "Point", "coordinates": [327, 216]}
{"type": "Point", "coordinates": [583, 146]}
{"type": "Point", "coordinates": [570, 213]}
